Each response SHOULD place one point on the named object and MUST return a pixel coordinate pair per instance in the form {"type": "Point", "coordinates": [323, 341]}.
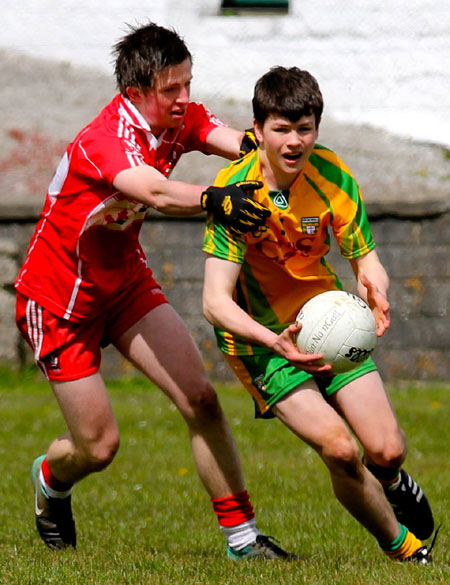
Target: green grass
{"type": "Point", "coordinates": [147, 520]}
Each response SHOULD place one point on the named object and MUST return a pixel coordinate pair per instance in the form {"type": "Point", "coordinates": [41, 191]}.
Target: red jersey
{"type": "Point", "coordinates": [85, 248]}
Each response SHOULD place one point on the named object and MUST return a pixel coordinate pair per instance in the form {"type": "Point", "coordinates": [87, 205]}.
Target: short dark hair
{"type": "Point", "coordinates": [288, 92]}
{"type": "Point", "coordinates": [144, 52]}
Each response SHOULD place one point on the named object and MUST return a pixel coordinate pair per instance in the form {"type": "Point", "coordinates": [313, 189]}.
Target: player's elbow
{"type": "Point", "coordinates": [157, 200]}
{"type": "Point", "coordinates": [207, 311]}
{"type": "Point", "coordinates": [210, 310]}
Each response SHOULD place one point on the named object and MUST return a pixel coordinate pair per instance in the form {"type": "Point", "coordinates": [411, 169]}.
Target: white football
{"type": "Point", "coordinates": [340, 326]}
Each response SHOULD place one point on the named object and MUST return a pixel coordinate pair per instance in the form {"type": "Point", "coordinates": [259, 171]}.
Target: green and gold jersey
{"type": "Point", "coordinates": [285, 266]}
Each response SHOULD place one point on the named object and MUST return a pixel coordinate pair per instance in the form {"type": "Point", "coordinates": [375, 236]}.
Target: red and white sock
{"type": "Point", "coordinates": [52, 487]}
{"type": "Point", "coordinates": [236, 519]}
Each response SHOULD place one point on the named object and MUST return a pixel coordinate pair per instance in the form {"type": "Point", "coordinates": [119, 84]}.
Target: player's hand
{"type": "Point", "coordinates": [286, 347]}
{"type": "Point", "coordinates": [248, 143]}
{"type": "Point", "coordinates": [233, 207]}
{"type": "Point", "coordinates": [379, 305]}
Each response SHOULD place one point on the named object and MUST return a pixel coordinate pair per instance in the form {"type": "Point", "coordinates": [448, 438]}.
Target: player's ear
{"type": "Point", "coordinates": [258, 130]}
{"type": "Point", "coordinates": [135, 94]}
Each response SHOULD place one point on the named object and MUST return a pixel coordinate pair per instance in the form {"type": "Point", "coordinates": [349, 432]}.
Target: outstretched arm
{"type": "Point", "coordinates": [225, 141]}
{"type": "Point", "coordinates": [232, 205]}
{"type": "Point", "coordinates": [147, 185]}
{"type": "Point", "coordinates": [372, 285]}
{"type": "Point", "coordinates": [231, 143]}
{"type": "Point", "coordinates": [223, 312]}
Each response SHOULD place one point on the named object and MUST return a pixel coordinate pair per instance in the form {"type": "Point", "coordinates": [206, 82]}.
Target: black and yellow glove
{"type": "Point", "coordinates": [248, 143]}
{"type": "Point", "coordinates": [234, 208]}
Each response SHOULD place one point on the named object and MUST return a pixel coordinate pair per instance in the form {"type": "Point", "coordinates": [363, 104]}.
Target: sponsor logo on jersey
{"type": "Point", "coordinates": [117, 214]}
{"type": "Point", "coordinates": [310, 225]}
{"type": "Point", "coordinates": [280, 200]}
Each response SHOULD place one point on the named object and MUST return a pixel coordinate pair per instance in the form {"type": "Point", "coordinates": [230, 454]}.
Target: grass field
{"type": "Point", "coordinates": [147, 520]}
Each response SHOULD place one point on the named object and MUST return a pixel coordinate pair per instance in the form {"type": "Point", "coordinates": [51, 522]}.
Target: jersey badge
{"type": "Point", "coordinates": [310, 225]}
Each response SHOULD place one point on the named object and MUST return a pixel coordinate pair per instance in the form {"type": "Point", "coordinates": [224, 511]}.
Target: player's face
{"type": "Point", "coordinates": [164, 105]}
{"type": "Point", "coordinates": [285, 147]}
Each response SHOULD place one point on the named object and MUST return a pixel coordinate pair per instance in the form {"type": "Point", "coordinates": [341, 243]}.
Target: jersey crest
{"type": "Point", "coordinates": [310, 225]}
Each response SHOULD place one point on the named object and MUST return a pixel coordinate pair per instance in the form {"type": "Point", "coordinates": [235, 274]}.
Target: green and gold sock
{"type": "Point", "coordinates": [404, 546]}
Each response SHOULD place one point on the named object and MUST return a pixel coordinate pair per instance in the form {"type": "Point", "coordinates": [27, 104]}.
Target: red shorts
{"type": "Point", "coordinates": [70, 350]}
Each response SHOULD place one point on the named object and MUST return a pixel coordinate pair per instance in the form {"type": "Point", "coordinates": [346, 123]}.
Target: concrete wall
{"type": "Point", "coordinates": [414, 246]}
{"type": "Point", "coordinates": [379, 63]}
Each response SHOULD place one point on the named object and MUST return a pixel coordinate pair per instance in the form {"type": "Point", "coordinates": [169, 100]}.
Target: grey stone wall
{"type": "Point", "coordinates": [413, 243]}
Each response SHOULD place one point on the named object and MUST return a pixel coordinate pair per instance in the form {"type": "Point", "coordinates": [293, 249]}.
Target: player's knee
{"type": "Point", "coordinates": [391, 456]}
{"type": "Point", "coordinates": [204, 406]}
{"type": "Point", "coordinates": [391, 452]}
{"type": "Point", "coordinates": [341, 454]}
{"type": "Point", "coordinates": [99, 454]}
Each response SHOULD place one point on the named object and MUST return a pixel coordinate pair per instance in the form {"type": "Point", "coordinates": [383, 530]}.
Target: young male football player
{"type": "Point", "coordinates": [86, 283]}
{"type": "Point", "coordinates": [256, 283]}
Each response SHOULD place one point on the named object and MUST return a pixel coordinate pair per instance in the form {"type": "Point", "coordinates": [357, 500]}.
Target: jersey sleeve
{"type": "Point", "coordinates": [199, 122]}
{"type": "Point", "coordinates": [218, 241]}
{"type": "Point", "coordinates": [103, 156]}
{"type": "Point", "coordinates": [350, 223]}
{"type": "Point", "coordinates": [352, 231]}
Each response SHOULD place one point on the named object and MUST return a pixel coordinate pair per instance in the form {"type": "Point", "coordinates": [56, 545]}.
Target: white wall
{"type": "Point", "coordinates": [381, 63]}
